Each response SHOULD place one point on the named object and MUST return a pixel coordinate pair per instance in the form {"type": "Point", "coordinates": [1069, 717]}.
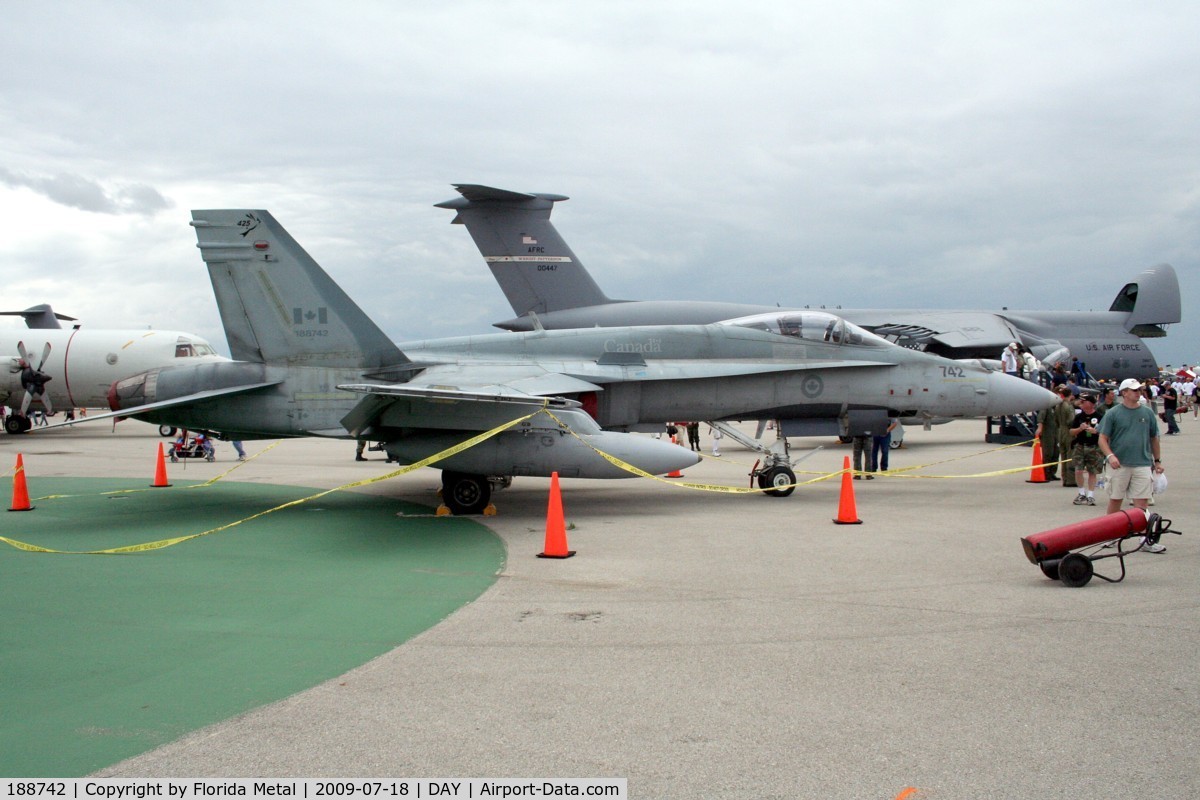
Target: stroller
{"type": "Point", "coordinates": [198, 446]}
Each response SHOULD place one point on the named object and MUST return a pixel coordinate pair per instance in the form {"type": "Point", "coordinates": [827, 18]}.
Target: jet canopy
{"type": "Point", "coordinates": [813, 326]}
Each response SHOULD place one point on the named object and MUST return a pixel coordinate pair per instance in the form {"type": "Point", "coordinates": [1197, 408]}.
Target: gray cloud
{"type": "Point", "coordinates": [76, 191]}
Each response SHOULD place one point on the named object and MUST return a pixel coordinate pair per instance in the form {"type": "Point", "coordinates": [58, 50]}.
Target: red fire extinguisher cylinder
{"type": "Point", "coordinates": [1057, 542]}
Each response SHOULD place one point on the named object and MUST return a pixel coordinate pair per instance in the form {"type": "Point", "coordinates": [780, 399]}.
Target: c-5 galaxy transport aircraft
{"type": "Point", "coordinates": [309, 362]}
{"type": "Point", "coordinates": [541, 276]}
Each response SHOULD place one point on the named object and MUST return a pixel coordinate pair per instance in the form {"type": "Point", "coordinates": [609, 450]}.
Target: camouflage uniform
{"type": "Point", "coordinates": [1065, 415]}
{"type": "Point", "coordinates": [1055, 424]}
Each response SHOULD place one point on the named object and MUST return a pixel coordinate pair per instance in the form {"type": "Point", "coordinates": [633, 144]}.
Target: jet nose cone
{"type": "Point", "coordinates": [1009, 395]}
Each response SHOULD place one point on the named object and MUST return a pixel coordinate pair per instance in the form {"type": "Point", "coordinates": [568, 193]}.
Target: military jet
{"type": "Point", "coordinates": [541, 276]}
{"type": "Point", "coordinates": [309, 362]}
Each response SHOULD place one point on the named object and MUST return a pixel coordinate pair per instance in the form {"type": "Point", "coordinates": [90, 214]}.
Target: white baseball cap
{"type": "Point", "coordinates": [1129, 383]}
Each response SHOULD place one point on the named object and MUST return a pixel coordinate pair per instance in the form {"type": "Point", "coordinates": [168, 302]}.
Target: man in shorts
{"type": "Point", "coordinates": [1130, 443]}
{"type": "Point", "coordinates": [1085, 455]}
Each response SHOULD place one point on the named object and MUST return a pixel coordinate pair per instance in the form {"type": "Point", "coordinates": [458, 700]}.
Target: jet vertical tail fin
{"type": "Point", "coordinates": [277, 305]}
{"type": "Point", "coordinates": [533, 265]}
{"type": "Point", "coordinates": [1152, 300]}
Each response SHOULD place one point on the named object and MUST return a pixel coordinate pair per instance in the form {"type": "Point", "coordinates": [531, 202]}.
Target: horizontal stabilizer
{"type": "Point", "coordinates": [475, 193]}
{"type": "Point", "coordinates": [40, 317]}
{"type": "Point", "coordinates": [175, 402]}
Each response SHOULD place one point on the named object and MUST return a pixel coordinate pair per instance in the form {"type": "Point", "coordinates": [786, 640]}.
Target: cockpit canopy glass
{"type": "Point", "coordinates": [813, 326]}
{"type": "Point", "coordinates": [190, 348]}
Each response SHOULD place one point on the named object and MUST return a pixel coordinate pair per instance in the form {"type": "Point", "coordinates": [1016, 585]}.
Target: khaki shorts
{"type": "Point", "coordinates": [1135, 483]}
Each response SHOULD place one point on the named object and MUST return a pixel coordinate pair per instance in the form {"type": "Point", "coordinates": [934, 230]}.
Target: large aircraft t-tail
{"type": "Point", "coordinates": [533, 264]}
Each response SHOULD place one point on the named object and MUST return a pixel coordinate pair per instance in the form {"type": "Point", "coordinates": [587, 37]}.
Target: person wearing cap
{"type": "Point", "coordinates": [1010, 360]}
{"type": "Point", "coordinates": [1086, 455]}
{"type": "Point", "coordinates": [1131, 447]}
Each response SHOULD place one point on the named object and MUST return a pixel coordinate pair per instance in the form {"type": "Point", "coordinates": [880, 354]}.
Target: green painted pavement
{"type": "Point", "coordinates": [105, 657]}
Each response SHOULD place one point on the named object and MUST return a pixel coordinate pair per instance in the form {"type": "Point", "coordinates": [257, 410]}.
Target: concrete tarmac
{"type": "Point", "coordinates": [728, 646]}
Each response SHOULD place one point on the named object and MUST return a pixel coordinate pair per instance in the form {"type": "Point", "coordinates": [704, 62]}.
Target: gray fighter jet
{"type": "Point", "coordinates": [309, 362]}
{"type": "Point", "coordinates": [540, 275]}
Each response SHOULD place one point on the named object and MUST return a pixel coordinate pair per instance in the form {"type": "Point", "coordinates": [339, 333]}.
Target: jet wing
{"type": "Point", "coordinates": [534, 382]}
{"type": "Point", "coordinates": [461, 398]}
{"type": "Point", "coordinates": [134, 411]}
{"type": "Point", "coordinates": [666, 370]}
{"type": "Point", "coordinates": [953, 329]}
{"type": "Point", "coordinates": [482, 396]}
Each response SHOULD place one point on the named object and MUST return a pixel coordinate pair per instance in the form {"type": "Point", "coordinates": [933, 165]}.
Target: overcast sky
{"type": "Point", "coordinates": [924, 154]}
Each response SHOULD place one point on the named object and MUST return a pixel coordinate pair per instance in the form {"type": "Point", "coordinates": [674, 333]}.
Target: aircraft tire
{"type": "Point", "coordinates": [15, 424]}
{"type": "Point", "coordinates": [166, 430]}
{"type": "Point", "coordinates": [464, 493]}
{"type": "Point", "coordinates": [1050, 568]}
{"type": "Point", "coordinates": [1075, 570]}
{"type": "Point", "coordinates": [777, 476]}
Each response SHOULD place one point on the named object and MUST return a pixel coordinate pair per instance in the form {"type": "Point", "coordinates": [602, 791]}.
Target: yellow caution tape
{"type": "Point", "coordinates": [900, 473]}
{"type": "Point", "coordinates": [238, 465]}
{"type": "Point", "coordinates": [705, 487]}
{"type": "Point", "coordinates": [208, 482]}
{"type": "Point", "coordinates": [469, 443]}
{"type": "Point", "coordinates": [163, 543]}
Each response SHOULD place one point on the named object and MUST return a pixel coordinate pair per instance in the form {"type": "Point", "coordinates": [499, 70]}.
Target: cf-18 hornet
{"type": "Point", "coordinates": [309, 362]}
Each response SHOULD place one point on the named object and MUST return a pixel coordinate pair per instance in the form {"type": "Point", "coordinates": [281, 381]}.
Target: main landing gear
{"type": "Point", "coordinates": [464, 493]}
{"type": "Point", "coordinates": [773, 471]}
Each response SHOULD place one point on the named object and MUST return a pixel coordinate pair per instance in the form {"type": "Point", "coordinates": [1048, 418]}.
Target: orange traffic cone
{"type": "Point", "coordinates": [847, 512]}
{"type": "Point", "coordinates": [556, 528]}
{"type": "Point", "coordinates": [160, 470]}
{"type": "Point", "coordinates": [20, 489]}
{"type": "Point", "coordinates": [674, 473]}
{"type": "Point", "coordinates": [1038, 475]}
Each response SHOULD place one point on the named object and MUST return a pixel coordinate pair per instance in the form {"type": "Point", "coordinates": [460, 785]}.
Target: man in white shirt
{"type": "Point", "coordinates": [1010, 360]}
